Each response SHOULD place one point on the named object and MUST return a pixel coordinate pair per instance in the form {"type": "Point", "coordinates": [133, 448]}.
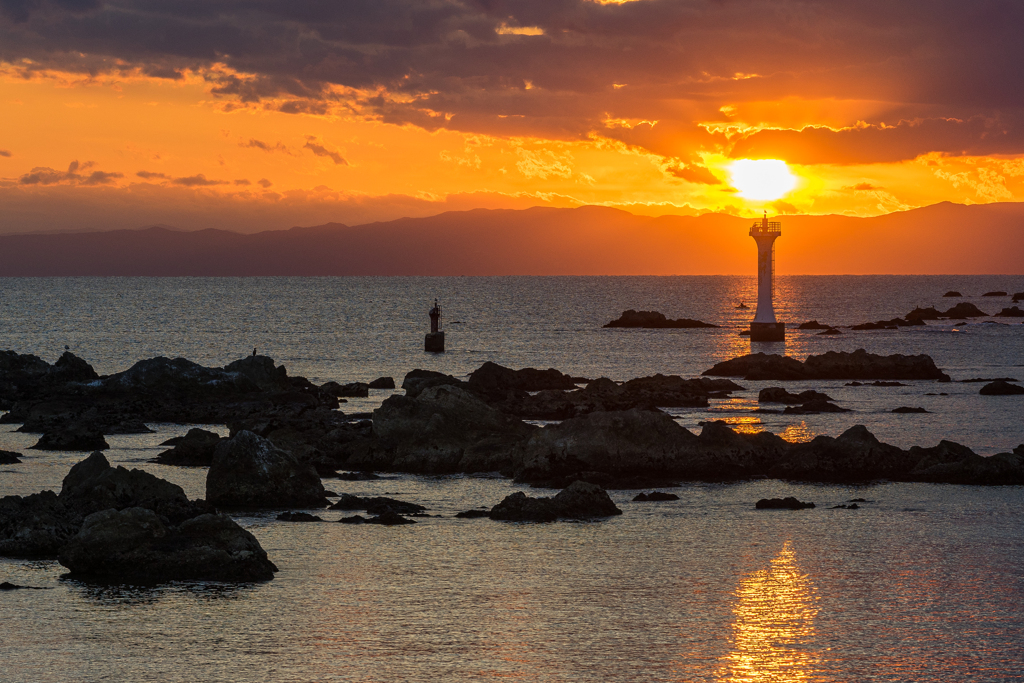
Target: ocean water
{"type": "Point", "coordinates": [923, 583]}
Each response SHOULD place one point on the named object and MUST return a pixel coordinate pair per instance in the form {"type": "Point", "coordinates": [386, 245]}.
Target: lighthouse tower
{"type": "Point", "coordinates": [765, 327]}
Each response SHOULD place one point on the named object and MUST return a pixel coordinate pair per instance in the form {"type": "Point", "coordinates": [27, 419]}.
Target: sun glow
{"type": "Point", "coordinates": [761, 179]}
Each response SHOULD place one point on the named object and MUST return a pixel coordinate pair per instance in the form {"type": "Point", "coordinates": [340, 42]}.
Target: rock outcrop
{"type": "Point", "coordinates": [195, 449]}
{"type": "Point", "coordinates": [137, 544]}
{"type": "Point", "coordinates": [965, 310]}
{"type": "Point", "coordinates": [787, 503]}
{"type": "Point", "coordinates": [1011, 312]}
{"type": "Point", "coordinates": [654, 320]}
{"type": "Point", "coordinates": [74, 437]}
{"type": "Point", "coordinates": [10, 458]}
{"type": "Point", "coordinates": [376, 505]}
{"type": "Point", "coordinates": [580, 500]}
{"type": "Point", "coordinates": [858, 365]}
{"type": "Point", "coordinates": [249, 471]}
{"type": "Point", "coordinates": [1001, 388]}
{"type": "Point", "coordinates": [382, 383]}
{"type": "Point", "coordinates": [780, 395]}
{"type": "Point", "coordinates": [856, 455]}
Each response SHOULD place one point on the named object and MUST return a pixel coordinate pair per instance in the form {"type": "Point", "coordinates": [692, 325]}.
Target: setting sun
{"type": "Point", "coordinates": [762, 179]}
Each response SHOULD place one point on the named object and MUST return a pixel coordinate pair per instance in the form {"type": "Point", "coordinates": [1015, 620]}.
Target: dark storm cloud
{"type": "Point", "coordinates": [447, 64]}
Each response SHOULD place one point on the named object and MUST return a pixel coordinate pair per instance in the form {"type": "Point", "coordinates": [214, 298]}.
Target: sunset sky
{"type": "Point", "coordinates": [252, 115]}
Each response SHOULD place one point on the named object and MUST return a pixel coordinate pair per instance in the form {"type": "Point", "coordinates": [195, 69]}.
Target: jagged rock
{"type": "Point", "coordinates": [195, 449]}
{"type": "Point", "coordinates": [994, 294]}
{"type": "Point", "coordinates": [260, 370]}
{"type": "Point", "coordinates": [352, 390]}
{"type": "Point", "coordinates": [952, 294]}
{"type": "Point", "coordinates": [780, 395]}
{"type": "Point", "coordinates": [787, 503]}
{"type": "Point", "coordinates": [893, 324]}
{"type": "Point", "coordinates": [579, 501]}
{"type": "Point", "coordinates": [442, 429]}
{"type": "Point", "coordinates": [654, 319]}
{"type": "Point", "coordinates": [964, 310]}
{"type": "Point", "coordinates": [494, 382]}
{"type": "Point", "coordinates": [136, 544]}
{"type": "Point", "coordinates": [952, 463]}
{"type": "Point", "coordinates": [1012, 312]}
{"type": "Point", "coordinates": [1019, 296]}
{"type": "Point", "coordinates": [298, 517]}
{"type": "Point", "coordinates": [10, 458]}
{"type": "Point", "coordinates": [856, 455]}
{"type": "Point", "coordinates": [75, 437]}
{"type": "Point", "coordinates": [416, 381]}
{"type": "Point", "coordinates": [249, 471]}
{"type": "Point", "coordinates": [761, 366]}
{"type": "Point", "coordinates": [863, 365]}
{"type": "Point", "coordinates": [376, 505]}
{"type": "Point", "coordinates": [1001, 388]}
{"type": "Point", "coordinates": [830, 331]}
{"type": "Point", "coordinates": [34, 526]}
{"type": "Point", "coordinates": [622, 443]}
{"type": "Point", "coordinates": [876, 383]}
{"type": "Point", "coordinates": [813, 325]}
{"type": "Point", "coordinates": [906, 409]}
{"type": "Point", "coordinates": [814, 406]}
{"type": "Point", "coordinates": [655, 496]}
{"type": "Point", "coordinates": [383, 383]}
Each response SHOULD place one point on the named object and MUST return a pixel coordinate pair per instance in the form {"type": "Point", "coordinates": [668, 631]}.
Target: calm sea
{"type": "Point", "coordinates": [924, 583]}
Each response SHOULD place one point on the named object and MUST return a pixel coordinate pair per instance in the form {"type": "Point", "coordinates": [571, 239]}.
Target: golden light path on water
{"type": "Point", "coordinates": [773, 632]}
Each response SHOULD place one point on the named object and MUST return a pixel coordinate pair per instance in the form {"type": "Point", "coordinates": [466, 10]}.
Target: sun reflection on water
{"type": "Point", "coordinates": [773, 634]}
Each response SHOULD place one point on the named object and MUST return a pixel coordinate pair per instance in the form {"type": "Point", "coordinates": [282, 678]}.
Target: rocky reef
{"type": "Point", "coordinates": [654, 320]}
{"type": "Point", "coordinates": [859, 365]}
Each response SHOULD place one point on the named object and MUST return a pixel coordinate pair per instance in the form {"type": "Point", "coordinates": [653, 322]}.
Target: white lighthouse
{"type": "Point", "coordinates": [765, 327]}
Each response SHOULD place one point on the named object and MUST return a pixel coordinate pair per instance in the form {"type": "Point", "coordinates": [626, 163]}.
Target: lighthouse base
{"type": "Point", "coordinates": [767, 332]}
{"type": "Point", "coordinates": [434, 342]}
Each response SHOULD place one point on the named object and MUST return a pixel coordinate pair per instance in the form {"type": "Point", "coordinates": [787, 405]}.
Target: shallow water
{"type": "Point", "coordinates": [924, 583]}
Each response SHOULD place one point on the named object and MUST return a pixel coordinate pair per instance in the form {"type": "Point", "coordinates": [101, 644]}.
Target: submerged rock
{"type": "Point", "coordinates": [579, 501]}
{"type": "Point", "coordinates": [298, 517]}
{"type": "Point", "coordinates": [654, 496]}
{"type": "Point", "coordinates": [1001, 388]}
{"type": "Point", "coordinates": [136, 544]}
{"type": "Point", "coordinates": [787, 503]}
{"type": "Point", "coordinates": [473, 514]}
{"type": "Point", "coordinates": [906, 409]}
{"type": "Point", "coordinates": [1000, 293]}
{"type": "Point", "coordinates": [387, 518]}
{"type": "Point", "coordinates": [655, 320]}
{"type": "Point", "coordinates": [249, 471]}
{"type": "Point", "coordinates": [376, 505]}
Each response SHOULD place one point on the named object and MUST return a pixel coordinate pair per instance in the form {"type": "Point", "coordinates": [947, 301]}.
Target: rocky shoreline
{"type": "Point", "coordinates": [286, 433]}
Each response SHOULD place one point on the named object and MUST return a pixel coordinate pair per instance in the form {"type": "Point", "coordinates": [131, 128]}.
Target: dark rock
{"type": "Point", "coordinates": [965, 310]}
{"type": "Point", "coordinates": [358, 476]}
{"type": "Point", "coordinates": [495, 382]}
{"type": "Point", "coordinates": [994, 294]}
{"type": "Point", "coordinates": [10, 458]}
{"type": "Point", "coordinates": [991, 379]}
{"type": "Point", "coordinates": [814, 406]}
{"type": "Point", "coordinates": [390, 518]}
{"type": "Point", "coordinates": [952, 294]}
{"type": "Point", "coordinates": [35, 526]}
{"type": "Point", "coordinates": [473, 514]}
{"type": "Point", "coordinates": [655, 320]}
{"type": "Point", "coordinates": [376, 505]}
{"type": "Point", "coordinates": [952, 463]}
{"type": "Point", "coordinates": [655, 496]}
{"type": "Point", "coordinates": [876, 383]}
{"type": "Point", "coordinates": [75, 437]}
{"type": "Point", "coordinates": [195, 449]}
{"type": "Point", "coordinates": [787, 503]}
{"type": "Point", "coordinates": [383, 383]}
{"type": "Point", "coordinates": [1012, 312]}
{"type": "Point", "coordinates": [858, 500]}
{"type": "Point", "coordinates": [830, 331]}
{"type": "Point", "coordinates": [260, 370]}
{"type": "Point", "coordinates": [905, 409]}
{"type": "Point", "coordinates": [416, 381]}
{"type": "Point", "coordinates": [298, 517]}
{"type": "Point", "coordinates": [128, 426]}
{"type": "Point", "coordinates": [352, 390]}
{"type": "Point", "coordinates": [930, 313]}
{"type": "Point", "coordinates": [761, 366]}
{"type": "Point", "coordinates": [1019, 296]}
{"type": "Point", "coordinates": [249, 471]}
{"type": "Point", "coordinates": [1001, 388]}
{"type": "Point", "coordinates": [136, 544]}
{"type": "Point", "coordinates": [893, 324]}
{"type": "Point", "coordinates": [780, 395]}
{"type": "Point", "coordinates": [354, 519]}
{"type": "Point", "coordinates": [813, 325]}
{"type": "Point", "coordinates": [443, 429]}
{"type": "Point", "coordinates": [856, 455]}
{"type": "Point", "coordinates": [579, 501]}
{"type": "Point", "coordinates": [854, 506]}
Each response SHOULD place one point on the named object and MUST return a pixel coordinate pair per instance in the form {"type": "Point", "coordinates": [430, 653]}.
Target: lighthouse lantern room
{"type": "Point", "coordinates": [765, 327]}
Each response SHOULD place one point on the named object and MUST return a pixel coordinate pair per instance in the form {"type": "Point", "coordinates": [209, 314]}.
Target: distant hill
{"type": "Point", "coordinates": [944, 238]}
